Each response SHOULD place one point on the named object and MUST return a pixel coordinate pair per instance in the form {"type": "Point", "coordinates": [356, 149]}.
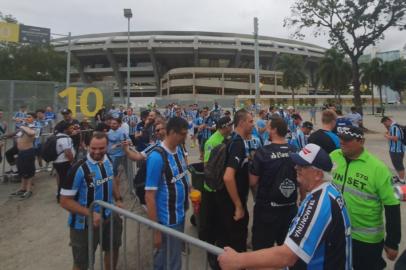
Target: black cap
{"type": "Point", "coordinates": [349, 133]}
{"type": "Point", "coordinates": [224, 121]}
{"type": "Point", "coordinates": [66, 111]}
{"type": "Point", "coordinates": [296, 116]}
{"type": "Point", "coordinates": [307, 124]}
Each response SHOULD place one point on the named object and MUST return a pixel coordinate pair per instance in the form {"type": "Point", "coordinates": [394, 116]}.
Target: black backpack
{"type": "Point", "coordinates": [140, 177]}
{"type": "Point", "coordinates": [48, 149]}
{"type": "Point", "coordinates": [403, 132]}
{"type": "Point", "coordinates": [216, 165]}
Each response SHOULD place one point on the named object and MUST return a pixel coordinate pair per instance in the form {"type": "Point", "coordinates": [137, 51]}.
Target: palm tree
{"type": "Point", "coordinates": [335, 73]}
{"type": "Point", "coordinates": [294, 75]}
{"type": "Point", "coordinates": [366, 78]}
{"type": "Point", "coordinates": [378, 73]}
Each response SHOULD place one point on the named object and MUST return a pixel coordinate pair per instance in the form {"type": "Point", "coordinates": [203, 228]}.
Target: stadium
{"type": "Point", "coordinates": [187, 65]}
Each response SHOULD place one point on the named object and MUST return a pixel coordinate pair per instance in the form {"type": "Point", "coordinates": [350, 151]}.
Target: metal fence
{"type": "Point", "coordinates": [40, 94]}
{"type": "Point", "coordinates": [126, 215]}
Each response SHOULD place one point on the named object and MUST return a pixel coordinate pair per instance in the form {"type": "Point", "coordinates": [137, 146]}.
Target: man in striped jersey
{"type": "Point", "coordinates": [91, 179]}
{"type": "Point", "coordinates": [166, 193]}
{"type": "Point", "coordinates": [319, 236]}
{"type": "Point", "coordinates": [394, 135]}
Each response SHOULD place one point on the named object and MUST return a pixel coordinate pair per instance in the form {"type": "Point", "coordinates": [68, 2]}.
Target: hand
{"type": "Point", "coordinates": [238, 213]}
{"type": "Point", "coordinates": [96, 219]}
{"type": "Point", "coordinates": [157, 239]}
{"type": "Point", "coordinates": [125, 144]}
{"type": "Point", "coordinates": [119, 204]}
{"type": "Point", "coordinates": [228, 260]}
{"type": "Point", "coordinates": [391, 254]}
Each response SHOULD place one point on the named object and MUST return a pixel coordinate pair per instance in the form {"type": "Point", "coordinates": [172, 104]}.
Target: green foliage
{"type": "Point", "coordinates": [7, 18]}
{"type": "Point", "coordinates": [335, 73]}
{"type": "Point", "coordinates": [25, 62]}
{"type": "Point", "coordinates": [294, 76]}
{"type": "Point", "coordinates": [351, 25]}
{"type": "Point", "coordinates": [396, 71]}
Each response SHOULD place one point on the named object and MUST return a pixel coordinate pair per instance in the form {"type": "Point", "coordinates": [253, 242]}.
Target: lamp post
{"type": "Point", "coordinates": [128, 14]}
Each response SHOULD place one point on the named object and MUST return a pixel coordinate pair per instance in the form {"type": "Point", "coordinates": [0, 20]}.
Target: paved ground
{"type": "Point", "coordinates": [34, 233]}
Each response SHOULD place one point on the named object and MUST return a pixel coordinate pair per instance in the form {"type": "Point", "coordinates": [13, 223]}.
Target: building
{"type": "Point", "coordinates": [166, 64]}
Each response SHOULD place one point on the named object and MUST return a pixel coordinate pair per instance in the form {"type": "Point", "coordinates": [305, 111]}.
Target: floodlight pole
{"type": "Point", "coordinates": [256, 60]}
{"type": "Point", "coordinates": [68, 60]}
{"type": "Point", "coordinates": [128, 14]}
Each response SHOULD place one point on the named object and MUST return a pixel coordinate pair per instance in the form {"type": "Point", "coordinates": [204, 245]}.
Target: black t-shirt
{"type": "Point", "coordinates": [323, 140]}
{"type": "Point", "coordinates": [277, 176]}
{"type": "Point", "coordinates": [237, 159]}
{"type": "Point", "coordinates": [102, 127]}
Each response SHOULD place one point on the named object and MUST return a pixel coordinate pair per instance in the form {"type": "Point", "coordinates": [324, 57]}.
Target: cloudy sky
{"type": "Point", "coordinates": [100, 16]}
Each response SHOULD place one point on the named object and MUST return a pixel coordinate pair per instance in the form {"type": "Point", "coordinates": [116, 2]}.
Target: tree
{"type": "Point", "coordinates": [366, 78]}
{"type": "Point", "coordinates": [7, 18]}
{"type": "Point", "coordinates": [397, 76]}
{"type": "Point", "coordinates": [294, 76]}
{"type": "Point", "coordinates": [335, 73]}
{"type": "Point", "coordinates": [377, 72]}
{"type": "Point", "coordinates": [352, 26]}
{"type": "Point", "coordinates": [26, 62]}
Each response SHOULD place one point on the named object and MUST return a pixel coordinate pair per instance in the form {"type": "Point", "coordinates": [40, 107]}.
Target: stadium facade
{"type": "Point", "coordinates": [173, 63]}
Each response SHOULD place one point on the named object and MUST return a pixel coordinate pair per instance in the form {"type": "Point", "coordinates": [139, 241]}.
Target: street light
{"type": "Point", "coordinates": [128, 14]}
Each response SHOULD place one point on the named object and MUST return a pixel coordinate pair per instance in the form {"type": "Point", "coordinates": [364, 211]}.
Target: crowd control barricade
{"type": "Point", "coordinates": [7, 143]}
{"type": "Point", "coordinates": [126, 215]}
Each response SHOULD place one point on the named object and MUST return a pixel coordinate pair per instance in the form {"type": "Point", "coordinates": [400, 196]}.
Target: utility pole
{"type": "Point", "coordinates": [128, 14]}
{"type": "Point", "coordinates": [256, 60]}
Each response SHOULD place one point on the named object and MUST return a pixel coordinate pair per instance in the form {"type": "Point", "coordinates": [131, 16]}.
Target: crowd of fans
{"type": "Point", "coordinates": [308, 214]}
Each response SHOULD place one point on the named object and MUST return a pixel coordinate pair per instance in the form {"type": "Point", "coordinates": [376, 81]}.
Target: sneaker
{"type": "Point", "coordinates": [18, 192]}
{"type": "Point", "coordinates": [11, 172]}
{"type": "Point", "coordinates": [397, 181]}
{"type": "Point", "coordinates": [26, 195]}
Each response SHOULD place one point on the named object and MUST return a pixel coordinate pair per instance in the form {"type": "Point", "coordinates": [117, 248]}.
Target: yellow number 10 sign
{"type": "Point", "coordinates": [71, 93]}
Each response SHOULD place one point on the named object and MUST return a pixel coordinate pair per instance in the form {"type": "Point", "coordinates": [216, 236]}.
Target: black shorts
{"type": "Point", "coordinates": [26, 163]}
{"type": "Point", "coordinates": [79, 241]}
{"type": "Point", "coordinates": [62, 170]}
{"type": "Point", "coordinates": [397, 160]}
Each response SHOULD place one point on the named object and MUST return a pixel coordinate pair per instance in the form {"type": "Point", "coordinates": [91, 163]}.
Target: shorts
{"type": "Point", "coordinates": [38, 150]}
{"type": "Point", "coordinates": [62, 170]}
{"type": "Point", "coordinates": [397, 160]}
{"type": "Point", "coordinates": [79, 241]}
{"type": "Point", "coordinates": [117, 161]}
{"type": "Point", "coordinates": [195, 131]}
{"type": "Point", "coordinates": [26, 163]}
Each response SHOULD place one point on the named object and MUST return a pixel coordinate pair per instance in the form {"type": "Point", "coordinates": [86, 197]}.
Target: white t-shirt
{"type": "Point", "coordinates": [63, 144]}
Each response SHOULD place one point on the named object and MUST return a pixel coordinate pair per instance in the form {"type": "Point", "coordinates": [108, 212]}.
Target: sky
{"type": "Point", "coordinates": [102, 16]}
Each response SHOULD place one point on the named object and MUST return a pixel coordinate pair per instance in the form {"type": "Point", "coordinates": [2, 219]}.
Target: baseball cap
{"type": "Point", "coordinates": [66, 111]}
{"type": "Point", "coordinates": [312, 155]}
{"type": "Point", "coordinates": [224, 121]}
{"type": "Point", "coordinates": [307, 124]}
{"type": "Point", "coordinates": [349, 133]}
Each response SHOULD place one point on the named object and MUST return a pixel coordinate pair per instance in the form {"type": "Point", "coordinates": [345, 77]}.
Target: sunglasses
{"type": "Point", "coordinates": [157, 130]}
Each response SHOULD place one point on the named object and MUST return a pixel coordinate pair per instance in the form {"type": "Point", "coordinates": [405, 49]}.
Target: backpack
{"type": "Point", "coordinates": [403, 132]}
{"type": "Point", "coordinates": [48, 149]}
{"type": "Point", "coordinates": [216, 165]}
{"type": "Point", "coordinates": [141, 176]}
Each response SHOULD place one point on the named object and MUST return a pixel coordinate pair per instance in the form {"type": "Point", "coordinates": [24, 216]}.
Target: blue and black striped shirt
{"type": "Point", "coordinates": [89, 180]}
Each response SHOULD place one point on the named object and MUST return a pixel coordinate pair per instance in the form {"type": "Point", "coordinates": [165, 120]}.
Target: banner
{"type": "Point", "coordinates": [34, 35]}
{"type": "Point", "coordinates": [9, 32]}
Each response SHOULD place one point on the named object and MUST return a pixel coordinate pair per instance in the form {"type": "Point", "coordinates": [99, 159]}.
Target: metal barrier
{"type": "Point", "coordinates": [189, 240]}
